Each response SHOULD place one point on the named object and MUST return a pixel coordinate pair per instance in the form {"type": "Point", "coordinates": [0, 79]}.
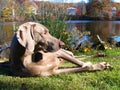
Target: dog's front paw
{"type": "Point", "coordinates": [105, 65]}
{"type": "Point", "coordinates": [102, 66]}
{"type": "Point", "coordinates": [96, 67]}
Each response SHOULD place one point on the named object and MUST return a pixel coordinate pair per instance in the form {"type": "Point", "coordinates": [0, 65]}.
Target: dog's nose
{"type": "Point", "coordinates": [61, 44]}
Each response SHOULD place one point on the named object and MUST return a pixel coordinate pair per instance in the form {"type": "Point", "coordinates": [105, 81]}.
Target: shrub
{"type": "Point", "coordinates": [58, 30]}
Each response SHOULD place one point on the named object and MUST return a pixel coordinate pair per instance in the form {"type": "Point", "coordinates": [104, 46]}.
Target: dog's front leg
{"type": "Point", "coordinates": [68, 56]}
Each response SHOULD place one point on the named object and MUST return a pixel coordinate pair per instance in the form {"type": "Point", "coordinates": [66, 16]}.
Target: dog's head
{"type": "Point", "coordinates": [34, 36]}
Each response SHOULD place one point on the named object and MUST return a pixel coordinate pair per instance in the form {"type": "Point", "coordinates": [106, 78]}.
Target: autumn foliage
{"type": "Point", "coordinates": [21, 10]}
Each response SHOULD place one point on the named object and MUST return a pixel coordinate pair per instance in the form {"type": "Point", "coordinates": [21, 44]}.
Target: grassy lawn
{"type": "Point", "coordinates": [100, 80]}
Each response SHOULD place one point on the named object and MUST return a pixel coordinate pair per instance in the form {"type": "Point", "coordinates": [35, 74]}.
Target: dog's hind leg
{"type": "Point", "coordinates": [88, 67]}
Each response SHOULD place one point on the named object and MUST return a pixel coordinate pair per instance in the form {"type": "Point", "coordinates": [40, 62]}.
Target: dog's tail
{"type": "Point", "coordinates": [5, 64]}
{"type": "Point", "coordinates": [5, 68]}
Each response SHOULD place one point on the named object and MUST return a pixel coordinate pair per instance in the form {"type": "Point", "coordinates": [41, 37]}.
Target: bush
{"type": "Point", "coordinates": [58, 30]}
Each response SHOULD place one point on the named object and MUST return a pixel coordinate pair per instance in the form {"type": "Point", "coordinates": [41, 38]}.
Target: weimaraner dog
{"type": "Point", "coordinates": [34, 52]}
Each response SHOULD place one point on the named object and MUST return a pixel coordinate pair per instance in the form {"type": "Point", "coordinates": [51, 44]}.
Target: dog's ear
{"type": "Point", "coordinates": [25, 37]}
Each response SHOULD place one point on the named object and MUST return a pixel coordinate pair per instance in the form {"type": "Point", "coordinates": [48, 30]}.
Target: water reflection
{"type": "Point", "coordinates": [104, 29]}
{"type": "Point", "coordinates": [7, 31]}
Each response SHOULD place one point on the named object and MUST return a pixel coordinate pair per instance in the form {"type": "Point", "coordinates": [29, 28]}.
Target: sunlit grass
{"type": "Point", "coordinates": [100, 80]}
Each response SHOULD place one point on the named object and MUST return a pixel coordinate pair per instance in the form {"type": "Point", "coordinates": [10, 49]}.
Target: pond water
{"type": "Point", "coordinates": [104, 29]}
{"type": "Point", "coordinates": [7, 31]}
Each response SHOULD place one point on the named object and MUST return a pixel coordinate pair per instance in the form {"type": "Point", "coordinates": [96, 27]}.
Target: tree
{"type": "Point", "coordinates": [94, 8]}
{"type": "Point", "coordinates": [9, 8]}
{"type": "Point", "coordinates": [2, 4]}
{"type": "Point", "coordinates": [106, 11]}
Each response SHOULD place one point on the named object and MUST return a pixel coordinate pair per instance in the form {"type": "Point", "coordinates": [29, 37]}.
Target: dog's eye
{"type": "Point", "coordinates": [45, 32]}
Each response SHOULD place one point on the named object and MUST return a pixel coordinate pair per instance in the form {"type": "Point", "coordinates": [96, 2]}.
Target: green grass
{"type": "Point", "coordinates": [99, 80]}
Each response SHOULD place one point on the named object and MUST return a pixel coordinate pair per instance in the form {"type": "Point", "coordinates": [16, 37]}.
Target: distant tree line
{"type": "Point", "coordinates": [13, 10]}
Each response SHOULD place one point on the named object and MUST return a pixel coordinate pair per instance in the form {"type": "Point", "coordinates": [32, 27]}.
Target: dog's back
{"type": "Point", "coordinates": [16, 52]}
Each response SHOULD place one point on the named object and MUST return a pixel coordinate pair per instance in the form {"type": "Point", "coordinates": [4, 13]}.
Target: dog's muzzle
{"type": "Point", "coordinates": [61, 44]}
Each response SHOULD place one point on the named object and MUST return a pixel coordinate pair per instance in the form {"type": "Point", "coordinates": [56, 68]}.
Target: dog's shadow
{"type": "Point", "coordinates": [5, 68]}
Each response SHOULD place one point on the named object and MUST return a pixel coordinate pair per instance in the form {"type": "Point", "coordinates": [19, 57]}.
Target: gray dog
{"type": "Point", "coordinates": [34, 52]}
